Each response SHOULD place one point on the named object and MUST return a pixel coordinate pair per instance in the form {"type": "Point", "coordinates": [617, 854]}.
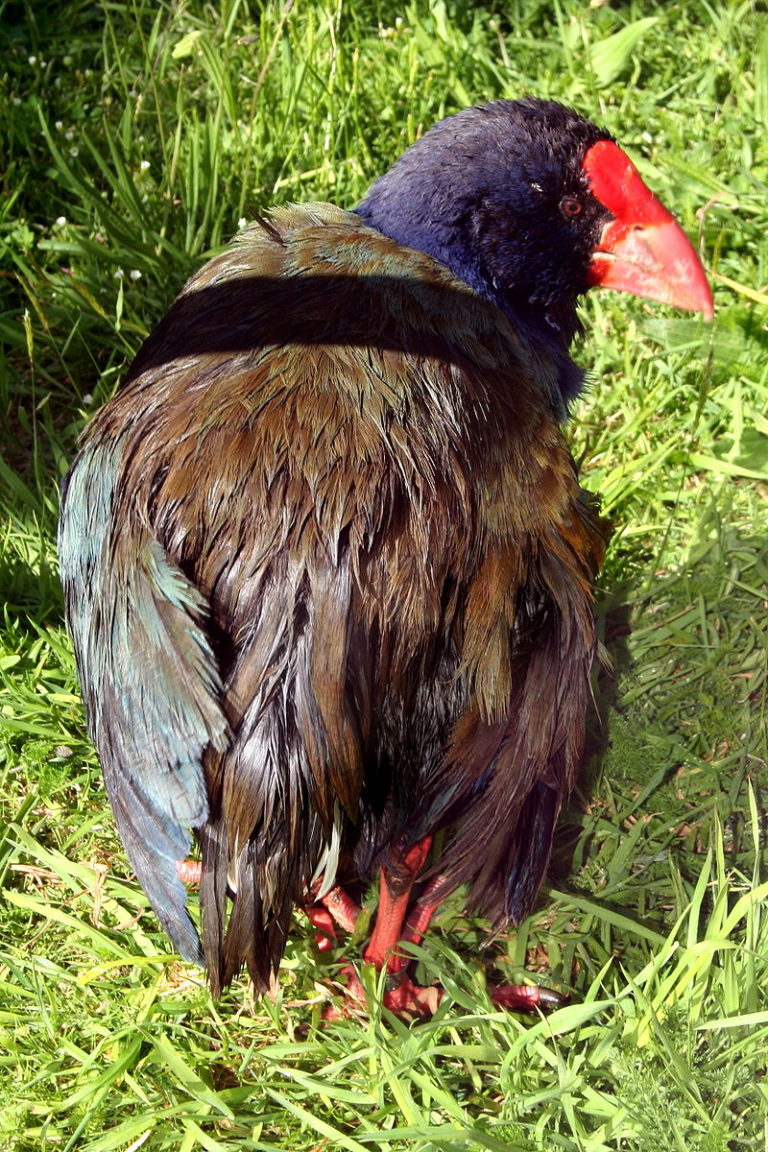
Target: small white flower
{"type": "Point", "coordinates": [69, 134]}
{"type": "Point", "coordinates": [32, 59]}
{"type": "Point", "coordinates": [135, 274]}
{"type": "Point", "coordinates": [87, 399]}
{"type": "Point", "coordinates": [242, 222]}
{"type": "Point", "coordinates": [74, 151]}
{"type": "Point", "coordinates": [118, 274]}
{"type": "Point", "coordinates": [59, 125]}
{"type": "Point", "coordinates": [144, 165]}
{"type": "Point", "coordinates": [60, 221]}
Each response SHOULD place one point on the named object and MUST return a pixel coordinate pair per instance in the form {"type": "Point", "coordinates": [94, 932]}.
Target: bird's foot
{"type": "Point", "coordinates": [401, 996]}
{"type": "Point", "coordinates": [405, 998]}
{"type": "Point", "coordinates": [529, 998]}
{"type": "Point", "coordinates": [415, 1001]}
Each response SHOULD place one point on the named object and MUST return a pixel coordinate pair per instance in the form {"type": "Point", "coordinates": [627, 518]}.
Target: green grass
{"type": "Point", "coordinates": [135, 136]}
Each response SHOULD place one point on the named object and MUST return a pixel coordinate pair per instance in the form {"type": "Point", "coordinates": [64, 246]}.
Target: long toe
{"type": "Point", "coordinates": [527, 998]}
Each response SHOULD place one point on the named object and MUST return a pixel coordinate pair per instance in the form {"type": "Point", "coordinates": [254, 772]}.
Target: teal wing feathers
{"type": "Point", "coordinates": [150, 680]}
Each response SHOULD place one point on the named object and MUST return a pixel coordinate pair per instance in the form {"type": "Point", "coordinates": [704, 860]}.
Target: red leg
{"type": "Point", "coordinates": [421, 914]}
{"type": "Point", "coordinates": [322, 922]}
{"type": "Point", "coordinates": [393, 925]}
{"type": "Point", "coordinates": [394, 897]}
{"type": "Point", "coordinates": [409, 997]}
{"type": "Point", "coordinates": [342, 908]}
{"type": "Point", "coordinates": [516, 997]}
{"type": "Point", "coordinates": [336, 907]}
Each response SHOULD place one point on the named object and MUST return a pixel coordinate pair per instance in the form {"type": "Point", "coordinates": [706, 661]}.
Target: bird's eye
{"type": "Point", "coordinates": [570, 206]}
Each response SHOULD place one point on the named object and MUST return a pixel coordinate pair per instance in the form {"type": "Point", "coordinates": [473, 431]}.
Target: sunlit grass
{"type": "Point", "coordinates": [136, 137]}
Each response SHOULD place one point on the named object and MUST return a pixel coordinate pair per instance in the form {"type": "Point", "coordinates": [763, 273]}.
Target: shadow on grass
{"type": "Point", "coordinates": [680, 735]}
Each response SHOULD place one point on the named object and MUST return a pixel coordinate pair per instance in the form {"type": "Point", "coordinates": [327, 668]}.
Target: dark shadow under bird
{"type": "Point", "coordinates": [327, 565]}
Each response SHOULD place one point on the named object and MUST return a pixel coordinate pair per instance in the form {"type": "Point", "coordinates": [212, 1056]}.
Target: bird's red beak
{"type": "Point", "coordinates": [643, 250]}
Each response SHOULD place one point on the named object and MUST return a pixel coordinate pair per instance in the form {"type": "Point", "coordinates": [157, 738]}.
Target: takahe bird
{"type": "Point", "coordinates": [328, 569]}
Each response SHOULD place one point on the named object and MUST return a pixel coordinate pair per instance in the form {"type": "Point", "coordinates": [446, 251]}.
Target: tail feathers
{"type": "Point", "coordinates": [258, 927]}
{"type": "Point", "coordinates": [255, 934]}
{"type": "Point", "coordinates": [290, 781]}
{"type": "Point", "coordinates": [526, 864]}
{"type": "Point", "coordinates": [499, 846]}
{"type": "Point", "coordinates": [213, 899]}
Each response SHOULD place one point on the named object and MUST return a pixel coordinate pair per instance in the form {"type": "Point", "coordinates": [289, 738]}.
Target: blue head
{"type": "Point", "coordinates": [498, 193]}
{"type": "Point", "coordinates": [530, 205]}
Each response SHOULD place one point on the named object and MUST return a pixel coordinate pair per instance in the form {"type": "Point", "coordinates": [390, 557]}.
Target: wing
{"type": "Point", "coordinates": [149, 677]}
